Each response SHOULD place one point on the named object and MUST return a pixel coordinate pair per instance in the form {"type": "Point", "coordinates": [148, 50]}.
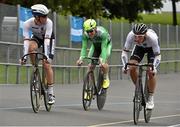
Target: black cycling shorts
{"type": "Point", "coordinates": [139, 52]}
{"type": "Point", "coordinates": [39, 41]}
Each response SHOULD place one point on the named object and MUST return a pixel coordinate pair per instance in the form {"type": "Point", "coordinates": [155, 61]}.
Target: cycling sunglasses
{"type": "Point", "coordinates": [90, 31]}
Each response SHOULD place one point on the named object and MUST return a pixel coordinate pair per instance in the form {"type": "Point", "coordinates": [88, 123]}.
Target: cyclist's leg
{"type": "Point", "coordinates": [136, 57]}
{"type": "Point", "coordinates": [33, 46]}
{"type": "Point", "coordinates": [152, 78]}
{"type": "Point", "coordinates": [151, 82]}
{"type": "Point", "coordinates": [105, 67]}
{"type": "Point", "coordinates": [50, 81]}
{"type": "Point", "coordinates": [49, 72]}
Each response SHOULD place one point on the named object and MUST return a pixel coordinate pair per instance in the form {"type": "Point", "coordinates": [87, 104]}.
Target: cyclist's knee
{"type": "Point", "coordinates": [33, 46]}
{"type": "Point", "coordinates": [105, 67]}
{"type": "Point", "coordinates": [91, 67]}
{"type": "Point", "coordinates": [151, 75]}
{"type": "Point", "coordinates": [133, 69]}
{"type": "Point", "coordinates": [47, 65]}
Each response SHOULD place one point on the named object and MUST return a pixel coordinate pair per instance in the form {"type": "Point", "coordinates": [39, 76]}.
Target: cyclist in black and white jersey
{"type": "Point", "coordinates": [146, 41]}
{"type": "Point", "coordinates": [42, 35]}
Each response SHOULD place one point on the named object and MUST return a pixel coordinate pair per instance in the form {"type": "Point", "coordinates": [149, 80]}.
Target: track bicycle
{"type": "Point", "coordinates": [141, 93]}
{"type": "Point", "coordinates": [93, 88]}
{"type": "Point", "coordinates": [38, 83]}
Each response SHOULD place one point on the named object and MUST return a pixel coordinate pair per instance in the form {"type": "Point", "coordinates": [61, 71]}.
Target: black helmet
{"type": "Point", "coordinates": [140, 28]}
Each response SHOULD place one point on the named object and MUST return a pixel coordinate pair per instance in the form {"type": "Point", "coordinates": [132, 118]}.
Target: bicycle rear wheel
{"type": "Point", "coordinates": [35, 90]}
{"type": "Point", "coordinates": [101, 95]}
{"type": "Point", "coordinates": [88, 90]}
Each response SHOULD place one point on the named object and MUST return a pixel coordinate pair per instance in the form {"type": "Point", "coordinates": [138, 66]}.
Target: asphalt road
{"type": "Point", "coordinates": [15, 106]}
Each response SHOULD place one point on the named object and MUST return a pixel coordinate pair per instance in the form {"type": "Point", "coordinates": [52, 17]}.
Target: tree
{"type": "Point", "coordinates": [174, 12]}
{"type": "Point", "coordinates": [129, 9]}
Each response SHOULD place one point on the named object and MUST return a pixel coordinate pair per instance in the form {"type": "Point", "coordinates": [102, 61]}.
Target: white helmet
{"type": "Point", "coordinates": [39, 10]}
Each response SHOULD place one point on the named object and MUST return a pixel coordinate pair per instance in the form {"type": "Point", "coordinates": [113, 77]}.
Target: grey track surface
{"type": "Point", "coordinates": [15, 106]}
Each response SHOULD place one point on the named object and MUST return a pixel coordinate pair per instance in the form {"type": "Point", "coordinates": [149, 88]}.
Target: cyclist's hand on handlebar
{"type": "Point", "coordinates": [49, 60]}
{"type": "Point", "coordinates": [100, 61]}
{"type": "Point", "coordinates": [22, 61]}
{"type": "Point", "coordinates": [154, 71]}
{"type": "Point", "coordinates": [79, 62]}
{"type": "Point", "coordinates": [125, 70]}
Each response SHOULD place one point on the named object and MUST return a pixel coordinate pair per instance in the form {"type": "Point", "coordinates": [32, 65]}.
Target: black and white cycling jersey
{"type": "Point", "coordinates": [40, 31]}
{"type": "Point", "coordinates": [42, 34]}
{"type": "Point", "coordinates": [151, 40]}
{"type": "Point", "coordinates": [150, 45]}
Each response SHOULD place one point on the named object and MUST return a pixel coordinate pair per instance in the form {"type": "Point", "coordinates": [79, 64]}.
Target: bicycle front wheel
{"type": "Point", "coordinates": [147, 112]}
{"type": "Point", "coordinates": [87, 92]}
{"type": "Point", "coordinates": [101, 95]}
{"type": "Point", "coordinates": [136, 108]}
{"type": "Point", "coordinates": [35, 91]}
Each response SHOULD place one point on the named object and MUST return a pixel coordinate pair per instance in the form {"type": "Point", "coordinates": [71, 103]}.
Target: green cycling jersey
{"type": "Point", "coordinates": [101, 41]}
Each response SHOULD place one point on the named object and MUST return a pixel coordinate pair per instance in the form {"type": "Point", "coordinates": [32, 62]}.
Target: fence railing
{"type": "Point", "coordinates": [115, 72]}
{"type": "Point", "coordinates": [67, 72]}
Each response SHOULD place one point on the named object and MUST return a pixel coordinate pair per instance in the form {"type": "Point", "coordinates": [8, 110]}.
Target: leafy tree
{"type": "Point", "coordinates": [110, 9]}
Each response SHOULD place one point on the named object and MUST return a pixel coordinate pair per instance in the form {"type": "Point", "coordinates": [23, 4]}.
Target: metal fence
{"type": "Point", "coordinates": [67, 53]}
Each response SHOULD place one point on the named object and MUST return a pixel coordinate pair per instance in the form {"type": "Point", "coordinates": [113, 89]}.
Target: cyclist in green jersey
{"type": "Point", "coordinates": [101, 47]}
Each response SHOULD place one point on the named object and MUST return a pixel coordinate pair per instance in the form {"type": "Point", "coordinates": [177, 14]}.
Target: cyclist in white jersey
{"type": "Point", "coordinates": [42, 30]}
{"type": "Point", "coordinates": [146, 41]}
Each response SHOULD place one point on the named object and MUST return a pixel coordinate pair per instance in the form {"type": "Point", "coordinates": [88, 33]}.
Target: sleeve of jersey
{"type": "Point", "coordinates": [49, 46]}
{"type": "Point", "coordinates": [104, 48]}
{"type": "Point", "coordinates": [26, 38]}
{"type": "Point", "coordinates": [129, 41]}
{"type": "Point", "coordinates": [84, 47]}
{"type": "Point", "coordinates": [49, 29]}
{"type": "Point", "coordinates": [156, 50]}
{"type": "Point", "coordinates": [26, 30]}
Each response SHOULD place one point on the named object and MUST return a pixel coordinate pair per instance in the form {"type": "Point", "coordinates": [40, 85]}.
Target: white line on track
{"type": "Point", "coordinates": [127, 121]}
{"type": "Point", "coordinates": [176, 125]}
{"type": "Point", "coordinates": [105, 124]}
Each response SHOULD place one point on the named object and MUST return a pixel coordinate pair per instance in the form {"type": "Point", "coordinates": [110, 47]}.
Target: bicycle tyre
{"type": "Point", "coordinates": [88, 90]}
{"type": "Point", "coordinates": [136, 109]}
{"type": "Point", "coordinates": [101, 94]}
{"type": "Point", "coordinates": [35, 91]}
{"type": "Point", "coordinates": [147, 112]}
{"type": "Point", "coordinates": [137, 103]}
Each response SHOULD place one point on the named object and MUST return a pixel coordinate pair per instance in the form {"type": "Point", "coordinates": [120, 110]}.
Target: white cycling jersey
{"type": "Point", "coordinates": [151, 40]}
{"type": "Point", "coordinates": [40, 31]}
{"type": "Point", "coordinates": [43, 32]}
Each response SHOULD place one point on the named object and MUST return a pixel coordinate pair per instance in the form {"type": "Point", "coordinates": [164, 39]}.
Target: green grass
{"type": "Point", "coordinates": [163, 18]}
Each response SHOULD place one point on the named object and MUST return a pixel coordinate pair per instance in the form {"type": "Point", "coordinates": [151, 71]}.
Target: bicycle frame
{"type": "Point", "coordinates": [42, 81]}
{"type": "Point", "coordinates": [141, 93]}
{"type": "Point", "coordinates": [97, 87]}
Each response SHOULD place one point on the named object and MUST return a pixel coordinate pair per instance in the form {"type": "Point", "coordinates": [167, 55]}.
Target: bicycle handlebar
{"type": "Point", "coordinates": [140, 65]}
{"type": "Point", "coordinates": [95, 60]}
{"type": "Point", "coordinates": [36, 53]}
